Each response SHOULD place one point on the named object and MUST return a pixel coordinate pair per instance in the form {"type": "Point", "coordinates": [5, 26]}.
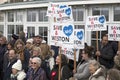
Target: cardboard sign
{"type": "Point", "coordinates": [79, 38]}
{"type": "Point", "coordinates": [69, 52]}
{"type": "Point", "coordinates": [62, 35]}
{"type": "Point", "coordinates": [61, 13]}
{"type": "Point", "coordinates": [95, 23]}
{"type": "Point", "coordinates": [114, 32]}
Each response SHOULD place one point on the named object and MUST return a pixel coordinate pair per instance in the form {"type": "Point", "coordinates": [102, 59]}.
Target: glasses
{"type": "Point", "coordinates": [33, 63]}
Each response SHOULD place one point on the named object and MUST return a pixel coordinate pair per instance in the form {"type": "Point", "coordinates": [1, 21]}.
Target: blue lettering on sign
{"type": "Point", "coordinates": [102, 19]}
{"type": "Point", "coordinates": [68, 11]}
{"type": "Point", "coordinates": [80, 35]}
{"type": "Point", "coordinates": [68, 30]}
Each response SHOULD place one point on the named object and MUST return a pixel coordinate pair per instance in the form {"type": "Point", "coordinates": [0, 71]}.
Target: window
{"type": "Point", "coordinates": [30, 31]}
{"type": "Point", "coordinates": [19, 16]}
{"type": "Point", "coordinates": [2, 29]}
{"type": "Point", "coordinates": [14, 29]}
{"type": "Point", "coordinates": [100, 34]}
{"type": "Point", "coordinates": [117, 14]}
{"type": "Point", "coordinates": [44, 32]}
{"type": "Point", "coordinates": [42, 15]}
{"type": "Point", "coordinates": [31, 16]}
{"type": "Point", "coordinates": [79, 27]}
{"type": "Point", "coordinates": [1, 17]}
{"type": "Point", "coordinates": [78, 14]}
{"type": "Point", "coordinates": [101, 11]}
{"type": "Point", "coordinates": [10, 17]}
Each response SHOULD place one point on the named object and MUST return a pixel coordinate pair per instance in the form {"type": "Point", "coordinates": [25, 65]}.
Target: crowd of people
{"type": "Point", "coordinates": [34, 59]}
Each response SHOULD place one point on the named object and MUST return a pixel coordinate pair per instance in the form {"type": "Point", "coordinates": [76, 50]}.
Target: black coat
{"type": "Point", "coordinates": [8, 69]}
{"type": "Point", "coordinates": [65, 72]}
{"type": "Point", "coordinates": [107, 56]}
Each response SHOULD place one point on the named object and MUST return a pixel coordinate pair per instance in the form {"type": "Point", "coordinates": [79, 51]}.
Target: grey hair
{"type": "Point", "coordinates": [39, 61]}
{"type": "Point", "coordinates": [95, 63]}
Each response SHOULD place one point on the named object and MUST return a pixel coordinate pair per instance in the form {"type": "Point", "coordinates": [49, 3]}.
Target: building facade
{"type": "Point", "coordinates": [30, 16]}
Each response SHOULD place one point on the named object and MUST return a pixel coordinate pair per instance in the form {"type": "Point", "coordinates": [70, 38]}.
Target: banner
{"type": "Point", "coordinates": [95, 23]}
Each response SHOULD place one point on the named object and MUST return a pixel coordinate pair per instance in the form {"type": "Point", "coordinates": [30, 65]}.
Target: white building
{"type": "Point", "coordinates": [30, 16]}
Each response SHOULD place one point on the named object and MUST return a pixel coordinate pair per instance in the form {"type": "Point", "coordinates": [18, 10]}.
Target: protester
{"type": "Point", "coordinates": [29, 45]}
{"type": "Point", "coordinates": [10, 46]}
{"type": "Point", "coordinates": [17, 72]}
{"type": "Point", "coordinates": [22, 54]}
{"type": "Point", "coordinates": [113, 74]}
{"type": "Point", "coordinates": [11, 59]}
{"type": "Point", "coordinates": [64, 71]}
{"type": "Point", "coordinates": [14, 38]}
{"type": "Point", "coordinates": [117, 61]}
{"type": "Point", "coordinates": [3, 49]}
{"type": "Point", "coordinates": [22, 36]}
{"type": "Point", "coordinates": [83, 72]}
{"type": "Point", "coordinates": [106, 53]}
{"type": "Point", "coordinates": [36, 72]}
{"type": "Point", "coordinates": [44, 47]}
{"type": "Point", "coordinates": [97, 71]}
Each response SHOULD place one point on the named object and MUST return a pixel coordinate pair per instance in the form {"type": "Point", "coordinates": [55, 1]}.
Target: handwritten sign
{"type": "Point", "coordinates": [79, 38]}
{"type": "Point", "coordinates": [95, 23]}
{"type": "Point", "coordinates": [114, 32]}
{"type": "Point", "coordinates": [60, 12]}
{"type": "Point", "coordinates": [69, 52]}
{"type": "Point", "coordinates": [62, 35]}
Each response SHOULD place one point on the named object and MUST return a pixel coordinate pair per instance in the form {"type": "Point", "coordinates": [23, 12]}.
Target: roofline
{"type": "Point", "coordinates": [36, 4]}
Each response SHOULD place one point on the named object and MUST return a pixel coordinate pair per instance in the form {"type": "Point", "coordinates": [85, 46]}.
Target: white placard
{"type": "Point", "coordinates": [79, 38]}
{"type": "Point", "coordinates": [62, 35]}
{"type": "Point", "coordinates": [69, 52]}
{"type": "Point", "coordinates": [95, 23]}
{"type": "Point", "coordinates": [114, 32]}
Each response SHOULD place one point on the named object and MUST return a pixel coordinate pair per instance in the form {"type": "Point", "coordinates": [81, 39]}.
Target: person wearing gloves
{"type": "Point", "coordinates": [17, 73]}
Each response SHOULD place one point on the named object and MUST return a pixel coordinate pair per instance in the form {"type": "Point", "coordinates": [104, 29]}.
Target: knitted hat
{"type": "Point", "coordinates": [17, 65]}
{"type": "Point", "coordinates": [30, 41]}
{"type": "Point", "coordinates": [14, 36]}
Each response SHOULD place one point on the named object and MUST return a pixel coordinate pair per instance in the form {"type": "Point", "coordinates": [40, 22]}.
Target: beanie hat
{"type": "Point", "coordinates": [17, 65]}
{"type": "Point", "coordinates": [30, 40]}
{"type": "Point", "coordinates": [14, 36]}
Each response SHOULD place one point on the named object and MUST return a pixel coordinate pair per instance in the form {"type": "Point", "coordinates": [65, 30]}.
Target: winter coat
{"type": "Point", "coordinates": [19, 76]}
{"type": "Point", "coordinates": [107, 55]}
{"type": "Point", "coordinates": [38, 75]}
{"type": "Point", "coordinates": [65, 73]}
{"type": "Point", "coordinates": [83, 72]}
{"type": "Point", "coordinates": [8, 68]}
{"type": "Point", "coordinates": [98, 75]}
{"type": "Point", "coordinates": [25, 63]}
{"type": "Point", "coordinates": [3, 49]}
